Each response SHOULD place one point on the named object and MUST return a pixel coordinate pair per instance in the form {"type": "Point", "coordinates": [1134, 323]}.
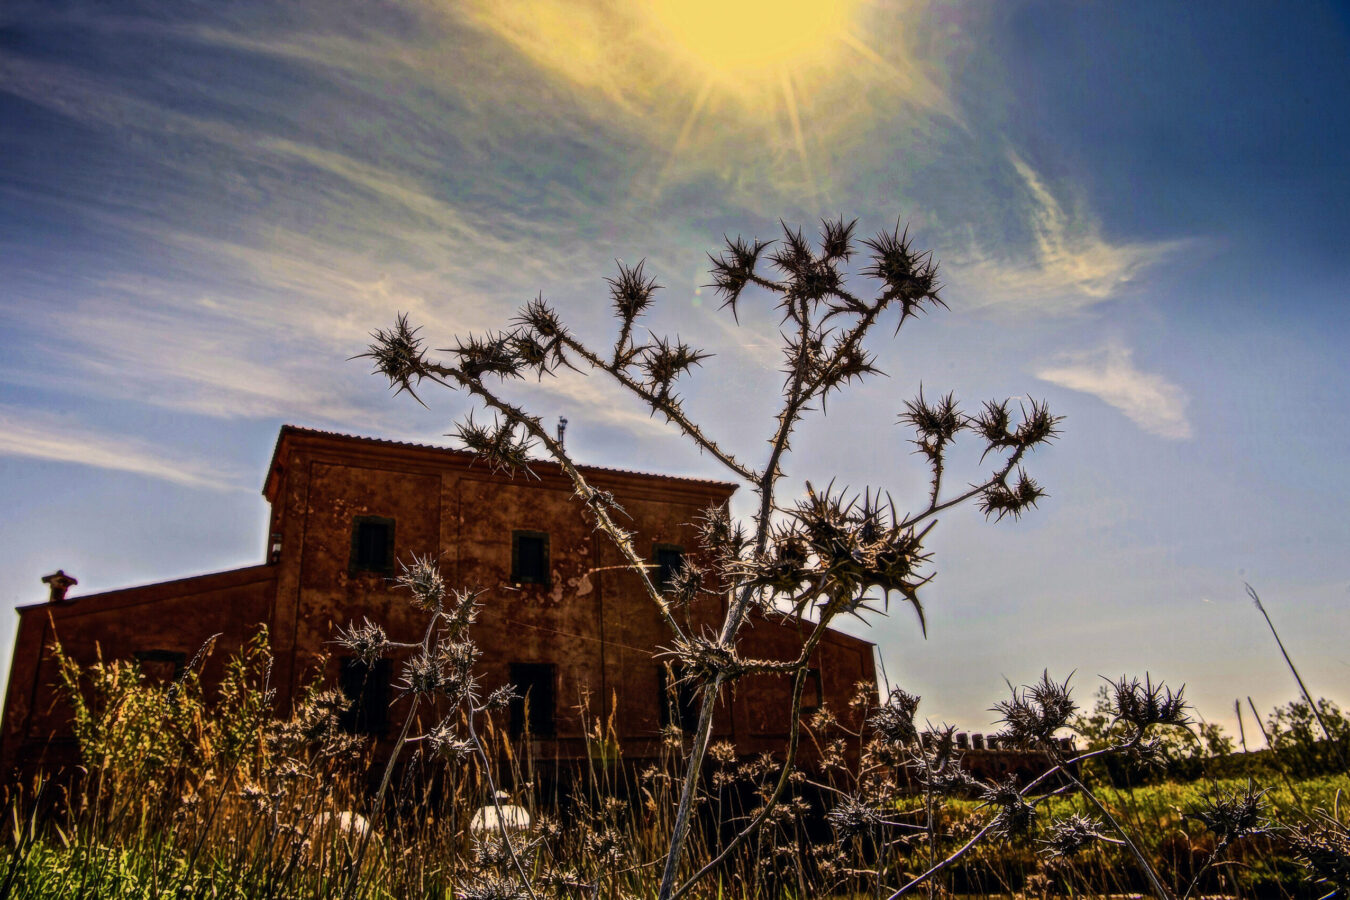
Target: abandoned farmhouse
{"type": "Point", "coordinates": [560, 616]}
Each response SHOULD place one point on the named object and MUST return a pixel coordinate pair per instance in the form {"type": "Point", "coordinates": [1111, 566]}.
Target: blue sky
{"type": "Point", "coordinates": [1141, 212]}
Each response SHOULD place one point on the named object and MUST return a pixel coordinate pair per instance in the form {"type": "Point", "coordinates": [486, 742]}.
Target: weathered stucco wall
{"type": "Point", "coordinates": [592, 621]}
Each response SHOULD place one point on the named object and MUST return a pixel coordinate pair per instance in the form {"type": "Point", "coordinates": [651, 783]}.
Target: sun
{"type": "Point", "coordinates": [742, 41]}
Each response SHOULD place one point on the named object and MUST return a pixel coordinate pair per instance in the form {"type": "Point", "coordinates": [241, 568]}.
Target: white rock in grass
{"type": "Point", "coordinates": [351, 826]}
{"type": "Point", "coordinates": [511, 818]}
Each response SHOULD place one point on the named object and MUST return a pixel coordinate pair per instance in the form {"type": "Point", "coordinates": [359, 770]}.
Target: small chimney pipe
{"type": "Point", "coordinates": [57, 584]}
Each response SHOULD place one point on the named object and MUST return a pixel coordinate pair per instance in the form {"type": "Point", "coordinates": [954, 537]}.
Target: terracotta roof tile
{"type": "Point", "coordinates": [301, 430]}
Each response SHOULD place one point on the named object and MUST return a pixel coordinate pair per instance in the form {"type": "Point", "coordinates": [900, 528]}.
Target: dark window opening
{"type": "Point", "coordinates": [813, 692]}
{"type": "Point", "coordinates": [533, 707]}
{"type": "Point", "coordinates": [529, 557]}
{"type": "Point", "coordinates": [678, 697]}
{"type": "Point", "coordinates": [161, 666]}
{"type": "Point", "coordinates": [669, 559]}
{"type": "Point", "coordinates": [372, 545]}
{"type": "Point", "coordinates": [366, 687]}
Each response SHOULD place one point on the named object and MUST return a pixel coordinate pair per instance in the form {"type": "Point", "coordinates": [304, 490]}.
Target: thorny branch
{"type": "Point", "coordinates": [827, 554]}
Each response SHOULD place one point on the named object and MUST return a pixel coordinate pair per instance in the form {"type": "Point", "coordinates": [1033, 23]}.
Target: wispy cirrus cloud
{"type": "Point", "coordinates": [45, 436]}
{"type": "Point", "coordinates": [1070, 266]}
{"type": "Point", "coordinates": [1109, 373]}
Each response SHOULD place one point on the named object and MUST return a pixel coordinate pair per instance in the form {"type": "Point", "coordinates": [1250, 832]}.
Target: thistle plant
{"type": "Point", "coordinates": [438, 672]}
{"type": "Point", "coordinates": [831, 553]}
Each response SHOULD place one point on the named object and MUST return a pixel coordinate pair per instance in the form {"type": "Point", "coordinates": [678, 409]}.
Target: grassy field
{"type": "Point", "coordinates": [186, 795]}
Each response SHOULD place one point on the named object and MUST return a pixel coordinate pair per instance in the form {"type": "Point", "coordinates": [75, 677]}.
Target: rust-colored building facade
{"type": "Point", "coordinates": [559, 615]}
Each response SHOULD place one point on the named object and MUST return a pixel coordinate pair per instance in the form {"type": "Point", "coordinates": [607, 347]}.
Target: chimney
{"type": "Point", "coordinates": [58, 583]}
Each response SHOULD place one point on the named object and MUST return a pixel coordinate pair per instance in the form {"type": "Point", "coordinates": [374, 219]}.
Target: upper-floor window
{"type": "Point", "coordinates": [669, 560]}
{"type": "Point", "coordinates": [533, 706]}
{"type": "Point", "coordinates": [366, 687]}
{"type": "Point", "coordinates": [529, 557]}
{"type": "Point", "coordinates": [372, 545]}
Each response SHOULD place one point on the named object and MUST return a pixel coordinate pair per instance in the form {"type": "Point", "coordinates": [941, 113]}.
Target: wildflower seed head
{"type": "Point", "coordinates": [723, 753]}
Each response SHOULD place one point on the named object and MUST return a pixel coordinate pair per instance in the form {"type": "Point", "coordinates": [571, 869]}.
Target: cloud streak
{"type": "Point", "coordinates": [52, 438]}
{"type": "Point", "coordinates": [1109, 373]}
{"type": "Point", "coordinates": [1069, 266]}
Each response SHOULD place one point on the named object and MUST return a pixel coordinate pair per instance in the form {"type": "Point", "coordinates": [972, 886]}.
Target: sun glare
{"type": "Point", "coordinates": [735, 40]}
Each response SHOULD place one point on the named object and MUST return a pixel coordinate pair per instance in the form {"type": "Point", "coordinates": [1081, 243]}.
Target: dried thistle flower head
{"type": "Point", "coordinates": [993, 423]}
{"type": "Point", "coordinates": [937, 763]}
{"type": "Point", "coordinates": [894, 721]}
{"type": "Point", "coordinates": [501, 697]}
{"type": "Point", "coordinates": [909, 277]}
{"type": "Point", "coordinates": [423, 579]}
{"type": "Point", "coordinates": [735, 269]}
{"type": "Point", "coordinates": [398, 355]}
{"type": "Point", "coordinates": [1070, 836]}
{"type": "Point", "coordinates": [366, 641]}
{"type": "Point", "coordinates": [936, 423]}
{"type": "Point", "coordinates": [1322, 844]}
{"type": "Point", "coordinates": [496, 443]}
{"type": "Point", "coordinates": [631, 291]}
{"type": "Point", "coordinates": [999, 500]}
{"type": "Point", "coordinates": [541, 318]}
{"type": "Point", "coordinates": [1036, 712]}
{"type": "Point", "coordinates": [1146, 704]}
{"type": "Point", "coordinates": [446, 743]}
{"type": "Point", "coordinates": [422, 674]}
{"type": "Point", "coordinates": [686, 584]}
{"type": "Point", "coordinates": [1015, 817]}
{"type": "Point", "coordinates": [852, 817]}
{"type": "Point", "coordinates": [491, 354]}
{"type": "Point", "coordinates": [836, 238]}
{"type": "Point", "coordinates": [1231, 815]}
{"type": "Point", "coordinates": [662, 362]}
{"type": "Point", "coordinates": [724, 540]}
{"type": "Point", "coordinates": [702, 658]}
